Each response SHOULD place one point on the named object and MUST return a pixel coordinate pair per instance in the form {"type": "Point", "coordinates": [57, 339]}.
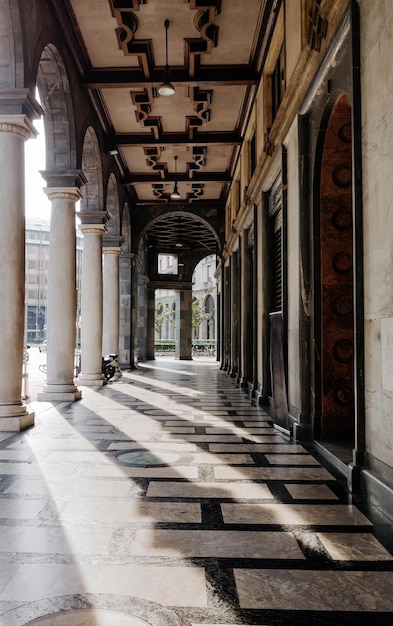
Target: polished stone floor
{"type": "Point", "coordinates": [166, 498]}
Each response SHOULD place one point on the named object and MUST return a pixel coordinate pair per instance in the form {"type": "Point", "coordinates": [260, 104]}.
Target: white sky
{"type": "Point", "coordinates": [36, 202]}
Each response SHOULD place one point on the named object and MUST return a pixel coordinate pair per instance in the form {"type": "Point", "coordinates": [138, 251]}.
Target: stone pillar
{"type": "Point", "coordinates": [247, 310]}
{"type": "Point", "coordinates": [138, 325]}
{"type": "Point", "coordinates": [226, 316]}
{"type": "Point", "coordinates": [183, 324]}
{"type": "Point", "coordinates": [304, 427]}
{"type": "Point", "coordinates": [111, 295]}
{"type": "Point", "coordinates": [125, 260]}
{"type": "Point", "coordinates": [61, 303]}
{"type": "Point", "coordinates": [14, 130]}
{"type": "Point", "coordinates": [150, 318]}
{"type": "Point", "coordinates": [139, 313]}
{"type": "Point", "coordinates": [92, 228]}
{"type": "Point", "coordinates": [235, 312]}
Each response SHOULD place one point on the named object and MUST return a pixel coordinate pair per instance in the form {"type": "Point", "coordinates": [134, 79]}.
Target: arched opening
{"type": "Point", "coordinates": [91, 165]}
{"type": "Point", "coordinates": [209, 312]}
{"type": "Point", "coordinates": [112, 206]}
{"type": "Point", "coordinates": [335, 428]}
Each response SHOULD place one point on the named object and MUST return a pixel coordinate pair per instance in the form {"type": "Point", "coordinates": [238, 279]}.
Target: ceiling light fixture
{"type": "Point", "coordinates": [175, 195]}
{"type": "Point", "coordinates": [166, 89]}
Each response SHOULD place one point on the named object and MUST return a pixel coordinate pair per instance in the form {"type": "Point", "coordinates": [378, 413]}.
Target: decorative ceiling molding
{"type": "Point", "coordinates": [201, 100]}
{"type": "Point", "coordinates": [143, 101]}
{"type": "Point", "coordinates": [199, 156]}
{"type": "Point", "coordinates": [196, 193]}
{"type": "Point", "coordinates": [204, 23]}
{"type": "Point", "coordinates": [153, 155]}
{"type": "Point", "coordinates": [125, 32]}
{"type": "Point", "coordinates": [160, 193]}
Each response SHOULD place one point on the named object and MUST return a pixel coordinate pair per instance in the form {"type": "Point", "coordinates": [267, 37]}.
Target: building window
{"type": "Point", "coordinates": [253, 155]}
{"type": "Point", "coordinates": [275, 213]}
{"type": "Point", "coordinates": [278, 83]}
{"type": "Point", "coordinates": [167, 264]}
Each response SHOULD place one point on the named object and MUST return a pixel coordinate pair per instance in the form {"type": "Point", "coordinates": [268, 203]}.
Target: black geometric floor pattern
{"type": "Point", "coordinates": [168, 497]}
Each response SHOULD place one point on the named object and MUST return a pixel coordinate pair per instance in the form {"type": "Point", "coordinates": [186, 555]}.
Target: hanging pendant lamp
{"type": "Point", "coordinates": [166, 89]}
{"type": "Point", "coordinates": [175, 195]}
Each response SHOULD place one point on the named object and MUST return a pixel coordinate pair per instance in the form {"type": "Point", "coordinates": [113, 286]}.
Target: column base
{"type": "Point", "coordinates": [91, 380]}
{"type": "Point", "coordinates": [59, 393]}
{"type": "Point", "coordinates": [14, 418]}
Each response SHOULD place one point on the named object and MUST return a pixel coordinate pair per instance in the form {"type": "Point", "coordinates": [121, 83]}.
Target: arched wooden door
{"type": "Point", "coordinates": [337, 421]}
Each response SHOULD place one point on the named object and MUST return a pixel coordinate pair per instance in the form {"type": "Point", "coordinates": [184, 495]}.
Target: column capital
{"type": "Point", "coordinates": [19, 125]}
{"type": "Point", "coordinates": [112, 241]}
{"type": "Point", "coordinates": [64, 178]}
{"type": "Point", "coordinates": [19, 102]}
{"type": "Point", "coordinates": [65, 193]}
{"type": "Point", "coordinates": [95, 229]}
{"type": "Point", "coordinates": [93, 217]}
{"type": "Point", "coordinates": [111, 250]}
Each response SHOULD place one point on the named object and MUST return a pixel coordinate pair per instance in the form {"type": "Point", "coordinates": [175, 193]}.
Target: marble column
{"type": "Point", "coordinates": [111, 296]}
{"type": "Point", "coordinates": [138, 326]}
{"type": "Point", "coordinates": [14, 130]}
{"type": "Point", "coordinates": [183, 324]}
{"type": "Point", "coordinates": [61, 302]}
{"type": "Point", "coordinates": [125, 310]}
{"type": "Point", "coordinates": [92, 227]}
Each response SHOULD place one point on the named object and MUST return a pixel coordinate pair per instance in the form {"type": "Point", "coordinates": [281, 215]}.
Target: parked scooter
{"type": "Point", "coordinates": [109, 365]}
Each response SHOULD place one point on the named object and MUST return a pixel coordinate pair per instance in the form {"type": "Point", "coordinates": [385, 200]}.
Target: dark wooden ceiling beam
{"type": "Point", "coordinates": [129, 77]}
{"type": "Point", "coordinates": [137, 140]}
{"type": "Point", "coordinates": [198, 177]}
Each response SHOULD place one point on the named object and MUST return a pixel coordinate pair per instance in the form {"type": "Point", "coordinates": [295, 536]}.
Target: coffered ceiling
{"type": "Point", "coordinates": [215, 54]}
{"type": "Point", "coordinates": [216, 50]}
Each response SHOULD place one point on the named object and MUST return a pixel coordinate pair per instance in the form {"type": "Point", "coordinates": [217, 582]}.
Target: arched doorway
{"type": "Point", "coordinates": [336, 332]}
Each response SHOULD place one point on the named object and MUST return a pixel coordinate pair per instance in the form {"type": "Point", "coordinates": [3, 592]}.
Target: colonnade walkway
{"type": "Point", "coordinates": [167, 499]}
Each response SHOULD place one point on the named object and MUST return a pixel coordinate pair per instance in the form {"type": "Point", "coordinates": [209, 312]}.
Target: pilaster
{"type": "Point", "coordinates": [183, 324]}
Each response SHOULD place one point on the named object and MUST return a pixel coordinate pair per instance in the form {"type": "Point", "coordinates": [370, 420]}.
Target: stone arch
{"type": "Point", "coordinates": [126, 229]}
{"type": "Point", "coordinates": [55, 95]}
{"type": "Point", "coordinates": [172, 217]}
{"type": "Point", "coordinates": [93, 195]}
{"type": "Point", "coordinates": [112, 206]}
{"type": "Point", "coordinates": [210, 311]}
{"type": "Point", "coordinates": [12, 66]}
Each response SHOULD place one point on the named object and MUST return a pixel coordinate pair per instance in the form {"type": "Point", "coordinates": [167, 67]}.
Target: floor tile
{"type": "Point", "coordinates": [219, 459]}
{"type": "Point", "coordinates": [208, 490]}
{"type": "Point", "coordinates": [54, 540]}
{"type": "Point", "coordinates": [311, 492]}
{"type": "Point", "coordinates": [216, 544]}
{"type": "Point", "coordinates": [153, 445]}
{"type": "Point", "coordinates": [291, 459]}
{"type": "Point", "coordinates": [298, 514]}
{"type": "Point", "coordinates": [354, 547]}
{"type": "Point", "coordinates": [301, 590]}
{"type": "Point", "coordinates": [257, 447]}
{"type": "Point", "coordinates": [78, 488]}
{"type": "Point", "coordinates": [272, 473]}
{"type": "Point", "coordinates": [15, 509]}
{"type": "Point", "coordinates": [169, 586]}
{"type": "Point", "coordinates": [131, 511]}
